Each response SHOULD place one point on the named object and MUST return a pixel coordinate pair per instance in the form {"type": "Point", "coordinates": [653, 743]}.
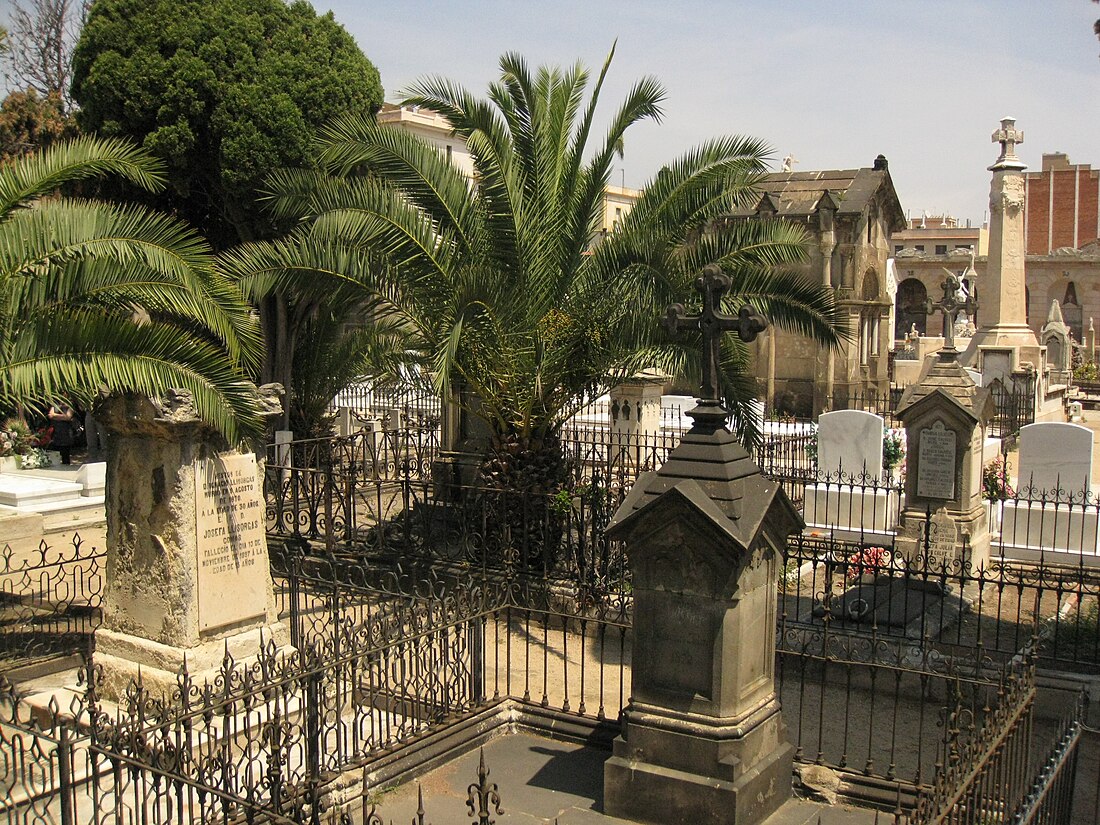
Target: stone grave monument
{"type": "Point", "coordinates": [1056, 338]}
{"type": "Point", "coordinates": [849, 443]}
{"type": "Point", "coordinates": [635, 404]}
{"type": "Point", "coordinates": [1004, 342]}
{"type": "Point", "coordinates": [703, 739]}
{"type": "Point", "coordinates": [1055, 510]}
{"type": "Point", "coordinates": [852, 497]}
{"type": "Point", "coordinates": [187, 565]}
{"type": "Point", "coordinates": [945, 417]}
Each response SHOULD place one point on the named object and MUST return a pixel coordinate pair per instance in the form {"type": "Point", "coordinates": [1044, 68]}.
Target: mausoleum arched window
{"type": "Point", "coordinates": [869, 318]}
{"type": "Point", "coordinates": [910, 303]}
{"type": "Point", "coordinates": [1072, 313]}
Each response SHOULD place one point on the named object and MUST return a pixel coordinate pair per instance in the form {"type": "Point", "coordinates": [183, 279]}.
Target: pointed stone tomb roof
{"type": "Point", "coordinates": [712, 475]}
{"type": "Point", "coordinates": [948, 378]}
{"type": "Point", "coordinates": [1055, 320]}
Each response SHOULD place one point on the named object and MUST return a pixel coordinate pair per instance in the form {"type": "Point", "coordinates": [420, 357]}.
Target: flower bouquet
{"type": "Point", "coordinates": [36, 458]}
{"type": "Point", "coordinates": [869, 561]}
{"type": "Point", "coordinates": [15, 437]}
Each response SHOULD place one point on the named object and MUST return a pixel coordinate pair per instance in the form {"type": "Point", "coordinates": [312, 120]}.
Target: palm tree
{"type": "Point", "coordinates": [100, 296]}
{"type": "Point", "coordinates": [496, 286]}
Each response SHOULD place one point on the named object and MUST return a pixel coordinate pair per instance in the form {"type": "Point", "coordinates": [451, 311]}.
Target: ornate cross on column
{"type": "Point", "coordinates": [949, 304]}
{"type": "Point", "coordinates": [748, 323]}
{"type": "Point", "coordinates": [1008, 136]}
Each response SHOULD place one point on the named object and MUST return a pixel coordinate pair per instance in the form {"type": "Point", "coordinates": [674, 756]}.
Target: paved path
{"type": "Point", "coordinates": [543, 780]}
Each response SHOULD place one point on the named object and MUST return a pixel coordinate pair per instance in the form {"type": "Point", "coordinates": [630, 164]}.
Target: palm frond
{"type": "Point", "coordinates": [41, 173]}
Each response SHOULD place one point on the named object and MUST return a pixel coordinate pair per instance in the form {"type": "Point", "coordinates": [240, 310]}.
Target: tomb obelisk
{"type": "Point", "coordinates": [1004, 342]}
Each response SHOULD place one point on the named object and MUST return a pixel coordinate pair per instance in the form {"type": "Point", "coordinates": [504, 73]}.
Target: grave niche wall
{"type": "Point", "coordinates": [187, 567]}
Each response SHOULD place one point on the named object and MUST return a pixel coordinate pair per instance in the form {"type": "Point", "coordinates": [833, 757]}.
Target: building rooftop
{"type": "Point", "coordinates": [798, 194]}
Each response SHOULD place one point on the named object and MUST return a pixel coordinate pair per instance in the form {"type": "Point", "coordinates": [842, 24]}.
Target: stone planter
{"type": "Point", "coordinates": [10, 463]}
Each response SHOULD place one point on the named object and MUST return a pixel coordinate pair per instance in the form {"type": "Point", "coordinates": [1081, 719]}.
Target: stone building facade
{"type": "Point", "coordinates": [849, 216]}
{"type": "Point", "coordinates": [1069, 276]}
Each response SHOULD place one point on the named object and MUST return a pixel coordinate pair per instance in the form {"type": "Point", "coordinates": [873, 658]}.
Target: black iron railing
{"type": "Point", "coordinates": [50, 600]}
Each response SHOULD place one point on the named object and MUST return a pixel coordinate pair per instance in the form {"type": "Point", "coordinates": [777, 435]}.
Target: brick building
{"type": "Point", "coordinates": [1062, 205]}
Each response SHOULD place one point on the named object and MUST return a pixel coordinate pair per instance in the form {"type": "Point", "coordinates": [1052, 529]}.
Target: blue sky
{"type": "Point", "coordinates": [835, 83]}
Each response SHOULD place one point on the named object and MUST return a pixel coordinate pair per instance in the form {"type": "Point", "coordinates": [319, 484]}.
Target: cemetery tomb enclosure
{"type": "Point", "coordinates": [1053, 514]}
{"type": "Point", "coordinates": [853, 496]}
{"type": "Point", "coordinates": [392, 668]}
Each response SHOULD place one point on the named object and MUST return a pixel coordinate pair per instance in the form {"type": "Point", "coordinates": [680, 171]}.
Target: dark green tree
{"type": "Point", "coordinates": [223, 91]}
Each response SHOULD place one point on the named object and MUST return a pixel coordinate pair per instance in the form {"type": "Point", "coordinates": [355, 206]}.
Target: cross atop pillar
{"type": "Point", "coordinates": [954, 298]}
{"type": "Point", "coordinates": [1008, 136]}
{"type": "Point", "coordinates": [712, 322]}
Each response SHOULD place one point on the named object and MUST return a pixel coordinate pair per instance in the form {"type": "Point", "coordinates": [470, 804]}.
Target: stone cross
{"type": "Point", "coordinates": [1008, 136]}
{"type": "Point", "coordinates": [748, 323]}
{"type": "Point", "coordinates": [950, 304]}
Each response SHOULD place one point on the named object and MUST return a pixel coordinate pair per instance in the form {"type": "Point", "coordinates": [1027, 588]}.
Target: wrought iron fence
{"type": "Point", "coordinates": [1015, 406]}
{"type": "Point", "coordinates": [883, 403]}
{"type": "Point", "coordinates": [50, 600]}
{"type": "Point", "coordinates": [390, 650]}
{"type": "Point", "coordinates": [415, 613]}
{"type": "Point", "coordinates": [1041, 580]}
{"type": "Point", "coordinates": [991, 611]}
{"type": "Point", "coordinates": [998, 775]}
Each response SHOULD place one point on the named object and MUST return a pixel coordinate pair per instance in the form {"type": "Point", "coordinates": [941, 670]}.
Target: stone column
{"type": "Point", "coordinates": [945, 417]}
{"type": "Point", "coordinates": [826, 217]}
{"type": "Point", "coordinates": [187, 566]}
{"type": "Point", "coordinates": [703, 739]}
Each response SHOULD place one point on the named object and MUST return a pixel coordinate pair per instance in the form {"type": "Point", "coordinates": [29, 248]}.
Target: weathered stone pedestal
{"type": "Point", "coordinates": [945, 416]}
{"type": "Point", "coordinates": [187, 576]}
{"type": "Point", "coordinates": [703, 739]}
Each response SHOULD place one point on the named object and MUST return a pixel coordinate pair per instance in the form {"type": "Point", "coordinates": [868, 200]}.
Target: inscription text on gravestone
{"type": "Point", "coordinates": [232, 552]}
{"type": "Point", "coordinates": [936, 462]}
{"type": "Point", "coordinates": [682, 649]}
{"type": "Point", "coordinates": [941, 539]}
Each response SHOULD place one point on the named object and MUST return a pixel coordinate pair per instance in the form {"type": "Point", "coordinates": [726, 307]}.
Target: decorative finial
{"type": "Point", "coordinates": [482, 794]}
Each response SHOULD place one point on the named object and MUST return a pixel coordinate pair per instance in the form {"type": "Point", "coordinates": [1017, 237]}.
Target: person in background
{"type": "Point", "coordinates": [64, 430]}
{"type": "Point", "coordinates": [96, 438]}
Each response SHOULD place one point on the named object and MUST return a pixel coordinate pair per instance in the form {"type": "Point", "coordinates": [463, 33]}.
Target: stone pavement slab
{"type": "Point", "coordinates": [544, 780]}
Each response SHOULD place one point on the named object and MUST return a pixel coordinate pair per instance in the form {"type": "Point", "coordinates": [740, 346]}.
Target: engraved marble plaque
{"type": "Point", "coordinates": [936, 462]}
{"type": "Point", "coordinates": [942, 539]}
{"type": "Point", "coordinates": [233, 575]}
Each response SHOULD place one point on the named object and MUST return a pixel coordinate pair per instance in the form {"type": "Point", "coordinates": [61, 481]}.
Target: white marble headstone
{"type": "Point", "coordinates": [1055, 455]}
{"type": "Point", "coordinates": [849, 441]}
